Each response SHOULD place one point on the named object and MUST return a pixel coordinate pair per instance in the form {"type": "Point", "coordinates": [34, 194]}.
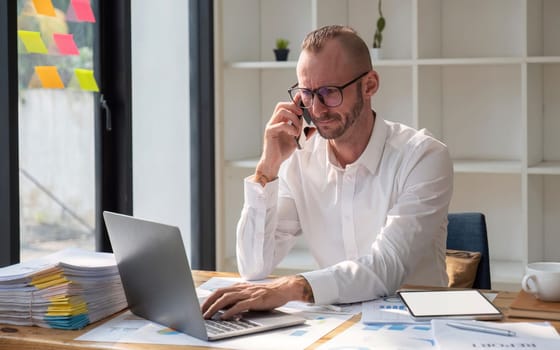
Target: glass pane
{"type": "Point", "coordinates": [56, 125]}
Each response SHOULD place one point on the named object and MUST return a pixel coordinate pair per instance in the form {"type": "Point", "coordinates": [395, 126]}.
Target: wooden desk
{"type": "Point", "coordinates": [36, 338]}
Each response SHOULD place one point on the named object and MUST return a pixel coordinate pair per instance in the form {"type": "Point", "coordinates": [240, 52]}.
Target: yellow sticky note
{"type": "Point", "coordinates": [86, 79]}
{"type": "Point", "coordinates": [44, 7]}
{"type": "Point", "coordinates": [32, 41]}
{"type": "Point", "coordinates": [49, 77]}
{"type": "Point", "coordinates": [49, 281]}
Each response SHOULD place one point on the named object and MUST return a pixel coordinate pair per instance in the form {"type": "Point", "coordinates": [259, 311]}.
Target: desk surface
{"type": "Point", "coordinates": [35, 338]}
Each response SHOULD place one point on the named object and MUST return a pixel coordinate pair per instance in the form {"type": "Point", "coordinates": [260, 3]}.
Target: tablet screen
{"type": "Point", "coordinates": [450, 304]}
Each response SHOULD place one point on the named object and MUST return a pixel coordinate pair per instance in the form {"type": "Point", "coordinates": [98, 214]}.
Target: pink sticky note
{"type": "Point", "coordinates": [65, 44]}
{"type": "Point", "coordinates": [81, 11]}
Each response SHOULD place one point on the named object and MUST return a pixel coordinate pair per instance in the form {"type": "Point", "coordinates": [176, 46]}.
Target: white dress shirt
{"type": "Point", "coordinates": [372, 226]}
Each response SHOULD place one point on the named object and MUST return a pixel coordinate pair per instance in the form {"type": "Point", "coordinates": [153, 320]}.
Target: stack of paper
{"type": "Point", "coordinates": [65, 290]}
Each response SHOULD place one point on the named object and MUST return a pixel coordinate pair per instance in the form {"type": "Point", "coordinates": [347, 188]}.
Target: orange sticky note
{"type": "Point", "coordinates": [65, 44]}
{"type": "Point", "coordinates": [49, 77]}
{"type": "Point", "coordinates": [86, 79]}
{"type": "Point", "coordinates": [32, 41]}
{"type": "Point", "coordinates": [44, 7]}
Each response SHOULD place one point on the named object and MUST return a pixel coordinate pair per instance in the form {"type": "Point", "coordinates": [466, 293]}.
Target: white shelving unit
{"type": "Point", "coordinates": [482, 76]}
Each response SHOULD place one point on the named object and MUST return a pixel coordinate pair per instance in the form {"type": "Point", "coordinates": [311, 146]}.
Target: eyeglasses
{"type": "Point", "coordinates": [330, 96]}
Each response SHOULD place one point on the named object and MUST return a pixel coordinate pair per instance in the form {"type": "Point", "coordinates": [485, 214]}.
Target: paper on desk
{"type": "Point", "coordinates": [128, 328]}
{"type": "Point", "coordinates": [383, 336]}
{"type": "Point", "coordinates": [538, 335]}
{"type": "Point", "coordinates": [350, 309]}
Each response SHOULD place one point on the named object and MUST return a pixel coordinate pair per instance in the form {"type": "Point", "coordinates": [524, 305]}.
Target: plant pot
{"type": "Point", "coordinates": [281, 54]}
{"type": "Point", "coordinates": [376, 53]}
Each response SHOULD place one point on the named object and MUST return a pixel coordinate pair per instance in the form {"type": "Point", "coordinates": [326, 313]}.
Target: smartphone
{"type": "Point", "coordinates": [306, 116]}
{"type": "Point", "coordinates": [307, 125]}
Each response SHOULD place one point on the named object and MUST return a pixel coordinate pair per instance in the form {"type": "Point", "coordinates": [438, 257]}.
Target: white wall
{"type": "Point", "coordinates": [160, 112]}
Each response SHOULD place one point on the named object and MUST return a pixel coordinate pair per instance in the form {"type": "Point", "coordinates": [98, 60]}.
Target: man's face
{"type": "Point", "coordinates": [332, 123]}
{"type": "Point", "coordinates": [326, 68]}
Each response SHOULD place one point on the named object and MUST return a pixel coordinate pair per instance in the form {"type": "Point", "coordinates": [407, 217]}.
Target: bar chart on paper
{"type": "Point", "coordinates": [386, 310]}
{"type": "Point", "coordinates": [383, 336]}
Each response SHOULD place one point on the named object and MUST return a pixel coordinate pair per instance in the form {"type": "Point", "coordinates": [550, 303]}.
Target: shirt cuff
{"type": "Point", "coordinates": [324, 286]}
{"type": "Point", "coordinates": [256, 195]}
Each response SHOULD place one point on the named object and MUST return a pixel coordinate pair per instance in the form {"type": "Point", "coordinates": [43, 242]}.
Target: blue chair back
{"type": "Point", "coordinates": [467, 231]}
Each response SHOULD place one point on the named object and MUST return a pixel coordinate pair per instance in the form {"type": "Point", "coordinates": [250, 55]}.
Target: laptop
{"type": "Point", "coordinates": [158, 282]}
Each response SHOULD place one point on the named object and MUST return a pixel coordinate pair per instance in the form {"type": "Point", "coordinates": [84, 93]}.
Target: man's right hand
{"type": "Point", "coordinates": [279, 142]}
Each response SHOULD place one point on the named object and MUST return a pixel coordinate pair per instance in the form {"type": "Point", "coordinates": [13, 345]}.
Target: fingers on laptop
{"type": "Point", "coordinates": [240, 298]}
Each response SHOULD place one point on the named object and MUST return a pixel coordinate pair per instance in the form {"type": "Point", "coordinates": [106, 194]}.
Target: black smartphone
{"type": "Point", "coordinates": [306, 125]}
{"type": "Point", "coordinates": [306, 116]}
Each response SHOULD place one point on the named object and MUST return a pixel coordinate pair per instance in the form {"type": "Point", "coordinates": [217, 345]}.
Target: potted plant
{"type": "Point", "coordinates": [378, 36]}
{"type": "Point", "coordinates": [281, 51]}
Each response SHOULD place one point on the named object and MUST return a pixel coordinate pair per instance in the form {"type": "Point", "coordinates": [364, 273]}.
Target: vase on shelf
{"type": "Point", "coordinates": [281, 54]}
{"type": "Point", "coordinates": [376, 53]}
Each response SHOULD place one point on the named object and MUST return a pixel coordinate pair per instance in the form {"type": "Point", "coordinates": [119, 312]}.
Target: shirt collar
{"type": "Point", "coordinates": [374, 150]}
{"type": "Point", "coordinates": [371, 156]}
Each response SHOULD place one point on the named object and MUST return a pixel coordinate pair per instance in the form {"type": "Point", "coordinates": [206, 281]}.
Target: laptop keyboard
{"type": "Point", "coordinates": [225, 326]}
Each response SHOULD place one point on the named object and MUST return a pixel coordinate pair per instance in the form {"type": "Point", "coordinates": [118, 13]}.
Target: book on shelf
{"type": "Point", "coordinates": [526, 305]}
{"type": "Point", "coordinates": [66, 290]}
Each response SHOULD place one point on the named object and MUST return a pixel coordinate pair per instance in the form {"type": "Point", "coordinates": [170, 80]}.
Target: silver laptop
{"type": "Point", "coordinates": [158, 283]}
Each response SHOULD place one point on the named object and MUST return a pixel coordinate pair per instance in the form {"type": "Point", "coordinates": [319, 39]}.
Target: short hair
{"type": "Point", "coordinates": [348, 37]}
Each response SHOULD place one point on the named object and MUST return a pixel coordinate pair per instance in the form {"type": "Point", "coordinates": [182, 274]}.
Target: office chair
{"type": "Point", "coordinates": [467, 231]}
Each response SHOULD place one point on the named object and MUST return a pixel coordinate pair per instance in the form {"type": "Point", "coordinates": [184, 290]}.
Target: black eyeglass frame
{"type": "Point", "coordinates": [315, 91]}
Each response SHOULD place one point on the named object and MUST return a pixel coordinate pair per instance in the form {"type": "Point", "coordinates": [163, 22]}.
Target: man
{"type": "Point", "coordinates": [369, 196]}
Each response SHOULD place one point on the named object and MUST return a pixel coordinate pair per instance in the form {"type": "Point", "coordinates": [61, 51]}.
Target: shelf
{"type": "Point", "coordinates": [261, 65]}
{"type": "Point", "coordinates": [489, 166]}
{"type": "Point", "coordinates": [469, 61]}
{"type": "Point", "coordinates": [243, 163]}
{"type": "Point", "coordinates": [292, 64]}
{"type": "Point", "coordinates": [392, 63]}
{"type": "Point", "coordinates": [543, 59]}
{"type": "Point", "coordinates": [460, 166]}
{"type": "Point", "coordinates": [404, 62]}
{"type": "Point", "coordinates": [545, 168]}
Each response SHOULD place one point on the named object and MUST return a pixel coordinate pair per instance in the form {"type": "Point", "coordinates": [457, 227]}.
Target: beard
{"type": "Point", "coordinates": [344, 121]}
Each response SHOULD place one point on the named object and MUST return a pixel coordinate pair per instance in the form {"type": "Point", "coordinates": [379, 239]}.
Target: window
{"type": "Point", "coordinates": [104, 175]}
{"type": "Point", "coordinates": [56, 105]}
{"type": "Point", "coordinates": [47, 113]}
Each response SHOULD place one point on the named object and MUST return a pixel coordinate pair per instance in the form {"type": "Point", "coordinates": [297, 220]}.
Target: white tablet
{"type": "Point", "coordinates": [462, 304]}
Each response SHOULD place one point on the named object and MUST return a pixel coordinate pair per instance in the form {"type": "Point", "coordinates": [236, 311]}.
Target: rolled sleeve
{"type": "Point", "coordinates": [324, 286]}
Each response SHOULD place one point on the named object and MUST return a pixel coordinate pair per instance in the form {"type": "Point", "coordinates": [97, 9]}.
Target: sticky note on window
{"type": "Point", "coordinates": [66, 44]}
{"type": "Point", "coordinates": [80, 11]}
{"type": "Point", "coordinates": [50, 79]}
{"type": "Point", "coordinates": [44, 7]}
{"type": "Point", "coordinates": [32, 41]}
{"type": "Point", "coordinates": [86, 79]}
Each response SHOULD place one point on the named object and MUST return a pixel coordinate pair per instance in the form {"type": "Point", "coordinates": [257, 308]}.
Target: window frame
{"type": "Point", "coordinates": [202, 111]}
{"type": "Point", "coordinates": [9, 160]}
